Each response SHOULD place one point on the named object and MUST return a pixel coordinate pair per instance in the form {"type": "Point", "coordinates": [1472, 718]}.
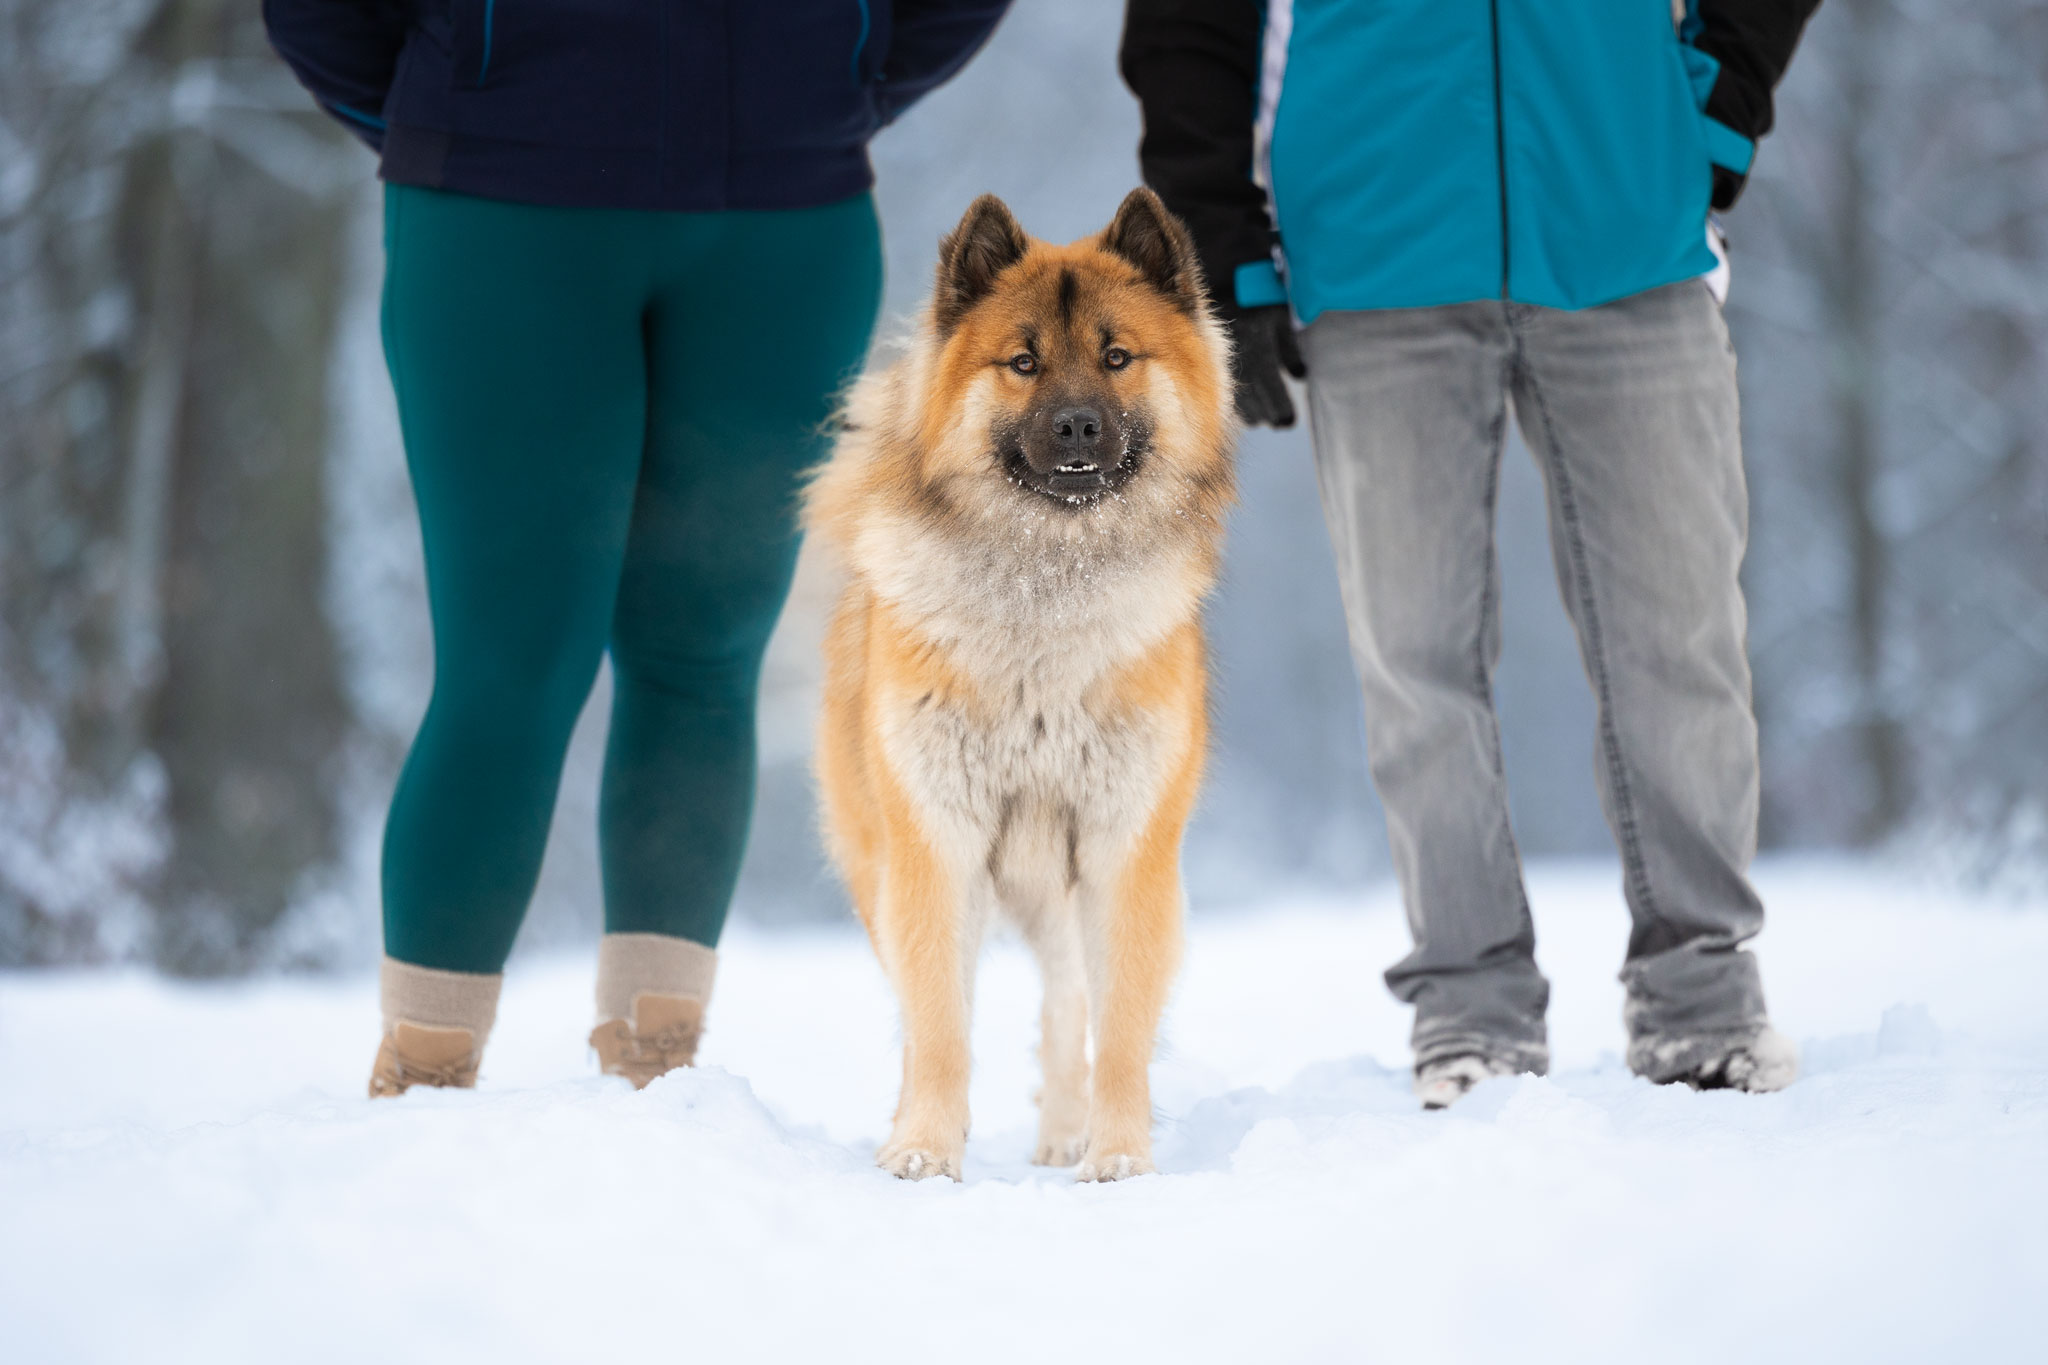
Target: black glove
{"type": "Point", "coordinates": [1262, 344]}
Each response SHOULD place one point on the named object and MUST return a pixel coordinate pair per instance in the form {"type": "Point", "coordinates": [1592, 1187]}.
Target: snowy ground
{"type": "Point", "coordinates": [189, 1174]}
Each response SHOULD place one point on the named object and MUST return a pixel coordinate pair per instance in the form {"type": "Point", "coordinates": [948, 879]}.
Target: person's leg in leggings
{"type": "Point", "coordinates": [514, 340]}
{"type": "Point", "coordinates": [759, 322]}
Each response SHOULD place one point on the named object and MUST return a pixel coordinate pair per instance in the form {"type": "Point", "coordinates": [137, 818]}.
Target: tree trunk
{"type": "Point", "coordinates": [1852, 293]}
{"type": "Point", "coordinates": [250, 714]}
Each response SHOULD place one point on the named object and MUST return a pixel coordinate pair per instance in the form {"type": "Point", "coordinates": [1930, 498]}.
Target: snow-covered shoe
{"type": "Point", "coordinates": [412, 1054]}
{"type": "Point", "coordinates": [435, 1027]}
{"type": "Point", "coordinates": [651, 993]}
{"type": "Point", "coordinates": [662, 1037]}
{"type": "Point", "coordinates": [1444, 1081]}
{"type": "Point", "coordinates": [1765, 1061]}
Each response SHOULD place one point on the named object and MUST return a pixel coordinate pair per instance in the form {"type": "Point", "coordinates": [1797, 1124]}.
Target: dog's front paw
{"type": "Point", "coordinates": [1105, 1165]}
{"type": "Point", "coordinates": [1059, 1149]}
{"type": "Point", "coordinates": [911, 1160]}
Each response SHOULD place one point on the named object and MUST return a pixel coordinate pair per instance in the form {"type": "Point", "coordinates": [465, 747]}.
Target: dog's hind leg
{"type": "Point", "coordinates": [928, 941]}
{"type": "Point", "coordinates": [1055, 936]}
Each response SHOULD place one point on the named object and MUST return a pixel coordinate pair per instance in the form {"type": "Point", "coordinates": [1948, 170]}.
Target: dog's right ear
{"type": "Point", "coordinates": [987, 242]}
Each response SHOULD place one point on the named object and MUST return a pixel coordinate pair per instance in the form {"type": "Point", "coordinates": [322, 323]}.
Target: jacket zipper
{"type": "Point", "coordinates": [665, 114]}
{"type": "Point", "coordinates": [1500, 147]}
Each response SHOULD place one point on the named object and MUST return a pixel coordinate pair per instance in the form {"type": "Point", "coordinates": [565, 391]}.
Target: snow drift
{"type": "Point", "coordinates": [188, 1173]}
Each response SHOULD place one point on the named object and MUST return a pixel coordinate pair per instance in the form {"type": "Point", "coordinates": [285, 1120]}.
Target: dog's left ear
{"type": "Point", "coordinates": [1147, 235]}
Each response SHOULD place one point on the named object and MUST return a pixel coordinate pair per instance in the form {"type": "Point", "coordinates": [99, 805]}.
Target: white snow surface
{"type": "Point", "coordinates": [189, 1173]}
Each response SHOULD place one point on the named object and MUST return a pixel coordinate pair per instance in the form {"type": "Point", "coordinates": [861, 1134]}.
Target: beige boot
{"type": "Point", "coordinates": [651, 993]}
{"type": "Point", "coordinates": [435, 1027]}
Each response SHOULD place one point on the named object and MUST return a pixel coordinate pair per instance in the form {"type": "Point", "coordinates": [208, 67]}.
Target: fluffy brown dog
{"type": "Point", "coordinates": [1029, 503]}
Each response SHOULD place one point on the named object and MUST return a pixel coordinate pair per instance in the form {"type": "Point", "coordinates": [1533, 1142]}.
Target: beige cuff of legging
{"type": "Point", "coordinates": [630, 965]}
{"type": "Point", "coordinates": [436, 999]}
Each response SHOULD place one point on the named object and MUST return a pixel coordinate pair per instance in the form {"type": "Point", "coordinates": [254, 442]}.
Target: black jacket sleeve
{"type": "Point", "coordinates": [930, 41]}
{"type": "Point", "coordinates": [344, 52]}
{"type": "Point", "coordinates": [1753, 42]}
{"type": "Point", "coordinates": [1194, 66]}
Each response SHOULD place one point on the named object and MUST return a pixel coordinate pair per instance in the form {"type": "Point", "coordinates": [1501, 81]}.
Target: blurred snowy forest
{"type": "Point", "coordinates": [212, 638]}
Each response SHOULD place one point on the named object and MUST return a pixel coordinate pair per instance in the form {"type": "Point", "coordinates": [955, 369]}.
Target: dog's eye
{"type": "Point", "coordinates": [1024, 363]}
{"type": "Point", "coordinates": [1116, 357]}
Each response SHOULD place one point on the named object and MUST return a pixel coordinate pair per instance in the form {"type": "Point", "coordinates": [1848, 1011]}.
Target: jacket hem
{"type": "Point", "coordinates": [618, 177]}
{"type": "Point", "coordinates": [1699, 263]}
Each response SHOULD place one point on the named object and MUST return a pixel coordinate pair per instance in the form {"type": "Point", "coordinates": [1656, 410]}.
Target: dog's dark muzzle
{"type": "Point", "coordinates": [1074, 455]}
{"type": "Point", "coordinates": [1074, 481]}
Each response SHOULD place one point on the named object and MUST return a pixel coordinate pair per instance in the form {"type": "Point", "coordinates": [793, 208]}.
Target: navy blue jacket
{"type": "Point", "coordinates": [643, 104]}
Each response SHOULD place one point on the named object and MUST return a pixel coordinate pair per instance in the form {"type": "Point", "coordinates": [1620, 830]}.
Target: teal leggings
{"type": "Point", "coordinates": [605, 414]}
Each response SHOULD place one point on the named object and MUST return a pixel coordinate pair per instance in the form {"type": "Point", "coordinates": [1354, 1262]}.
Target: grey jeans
{"type": "Point", "coordinates": [1630, 409]}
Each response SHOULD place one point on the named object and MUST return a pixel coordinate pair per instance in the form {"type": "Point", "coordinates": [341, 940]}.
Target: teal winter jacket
{"type": "Point", "coordinates": [1358, 154]}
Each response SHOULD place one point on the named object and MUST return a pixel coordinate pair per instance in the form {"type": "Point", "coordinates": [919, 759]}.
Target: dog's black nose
{"type": "Point", "coordinates": [1077, 429]}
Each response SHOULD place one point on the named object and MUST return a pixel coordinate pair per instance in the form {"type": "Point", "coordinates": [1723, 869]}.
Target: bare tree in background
{"type": "Point", "coordinates": [169, 706]}
{"type": "Point", "coordinates": [1894, 320]}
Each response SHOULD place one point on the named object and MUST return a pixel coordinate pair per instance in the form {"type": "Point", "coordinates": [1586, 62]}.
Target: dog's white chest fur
{"type": "Point", "coordinates": [1046, 775]}
{"type": "Point", "coordinates": [1043, 789]}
